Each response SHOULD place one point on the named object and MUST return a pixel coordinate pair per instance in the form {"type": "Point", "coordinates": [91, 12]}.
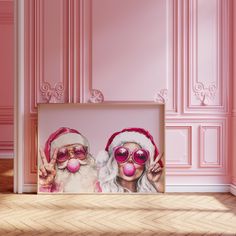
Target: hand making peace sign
{"type": "Point", "coordinates": [47, 171]}
{"type": "Point", "coordinates": [154, 172]}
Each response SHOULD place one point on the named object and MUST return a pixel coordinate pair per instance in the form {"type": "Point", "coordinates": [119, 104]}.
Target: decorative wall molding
{"type": "Point", "coordinates": [6, 121]}
{"type": "Point", "coordinates": [46, 44]}
{"type": "Point", "coordinates": [38, 36]}
{"type": "Point", "coordinates": [205, 94]}
{"type": "Point", "coordinates": [30, 56]}
{"type": "Point", "coordinates": [6, 12]}
{"type": "Point", "coordinates": [199, 119]}
{"type": "Point", "coordinates": [174, 74]}
{"type": "Point", "coordinates": [34, 146]}
{"type": "Point", "coordinates": [198, 188]}
{"type": "Point", "coordinates": [203, 165]}
{"type": "Point", "coordinates": [6, 145]}
{"type": "Point", "coordinates": [96, 96]}
{"type": "Point", "coordinates": [73, 52]}
{"type": "Point", "coordinates": [6, 115]}
{"type": "Point", "coordinates": [197, 83]}
{"type": "Point", "coordinates": [204, 162]}
{"type": "Point", "coordinates": [161, 96]}
{"type": "Point", "coordinates": [20, 118]}
{"type": "Point", "coordinates": [172, 19]}
{"type": "Point", "coordinates": [52, 94]}
{"type": "Point", "coordinates": [30, 159]}
{"type": "Point", "coordinates": [184, 161]}
{"type": "Point", "coordinates": [7, 77]}
{"type": "Point", "coordinates": [6, 18]}
{"type": "Point", "coordinates": [195, 172]}
{"type": "Point", "coordinates": [206, 84]}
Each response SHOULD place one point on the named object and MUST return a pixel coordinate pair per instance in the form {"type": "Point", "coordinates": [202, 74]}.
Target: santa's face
{"type": "Point", "coordinates": [130, 170]}
{"type": "Point", "coordinates": [71, 157]}
{"type": "Point", "coordinates": [75, 169]}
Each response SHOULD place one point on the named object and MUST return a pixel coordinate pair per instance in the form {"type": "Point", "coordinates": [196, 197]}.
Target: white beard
{"type": "Point", "coordinates": [83, 181]}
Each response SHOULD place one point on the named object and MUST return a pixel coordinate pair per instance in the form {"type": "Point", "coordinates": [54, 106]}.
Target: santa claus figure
{"type": "Point", "coordinates": [130, 163]}
{"type": "Point", "coordinates": [67, 165]}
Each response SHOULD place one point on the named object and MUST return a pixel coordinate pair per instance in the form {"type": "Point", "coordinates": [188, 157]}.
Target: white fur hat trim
{"type": "Point", "coordinates": [67, 139]}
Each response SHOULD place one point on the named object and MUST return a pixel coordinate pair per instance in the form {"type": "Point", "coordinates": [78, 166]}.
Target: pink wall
{"type": "Point", "coordinates": [176, 52]}
{"type": "Point", "coordinates": [7, 75]}
{"type": "Point", "coordinates": [166, 51]}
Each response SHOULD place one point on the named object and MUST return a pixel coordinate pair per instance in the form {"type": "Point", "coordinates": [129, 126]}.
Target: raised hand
{"type": "Point", "coordinates": [154, 174]}
{"type": "Point", "coordinates": [47, 171]}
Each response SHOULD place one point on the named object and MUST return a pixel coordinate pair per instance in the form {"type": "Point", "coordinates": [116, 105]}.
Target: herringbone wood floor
{"type": "Point", "coordinates": [164, 214]}
{"type": "Point", "coordinates": [168, 214]}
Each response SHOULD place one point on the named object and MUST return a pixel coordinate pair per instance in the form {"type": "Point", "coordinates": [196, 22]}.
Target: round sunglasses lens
{"type": "Point", "coordinates": [62, 154]}
{"type": "Point", "coordinates": [121, 154]}
{"type": "Point", "coordinates": [80, 152]}
{"type": "Point", "coordinates": [141, 156]}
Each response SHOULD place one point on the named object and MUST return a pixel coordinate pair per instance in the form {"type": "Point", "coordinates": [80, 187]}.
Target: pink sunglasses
{"type": "Point", "coordinates": [79, 152]}
{"type": "Point", "coordinates": [139, 156]}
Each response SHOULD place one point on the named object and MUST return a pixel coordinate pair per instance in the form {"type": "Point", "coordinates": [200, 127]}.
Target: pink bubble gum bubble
{"type": "Point", "coordinates": [129, 169]}
{"type": "Point", "coordinates": [73, 165]}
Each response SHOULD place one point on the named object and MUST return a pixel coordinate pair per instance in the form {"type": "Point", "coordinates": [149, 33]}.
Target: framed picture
{"type": "Point", "coordinates": [101, 148]}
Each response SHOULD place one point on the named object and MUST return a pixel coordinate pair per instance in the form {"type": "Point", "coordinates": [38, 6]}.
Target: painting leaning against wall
{"type": "Point", "coordinates": [129, 161]}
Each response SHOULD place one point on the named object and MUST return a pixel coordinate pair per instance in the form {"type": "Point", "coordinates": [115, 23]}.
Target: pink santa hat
{"type": "Point", "coordinates": [63, 136]}
{"type": "Point", "coordinates": [136, 135]}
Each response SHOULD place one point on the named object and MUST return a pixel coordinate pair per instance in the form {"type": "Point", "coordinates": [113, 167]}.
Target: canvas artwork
{"type": "Point", "coordinates": [74, 157]}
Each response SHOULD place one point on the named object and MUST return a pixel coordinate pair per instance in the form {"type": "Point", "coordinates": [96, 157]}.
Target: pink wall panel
{"type": "Point", "coordinates": [208, 69]}
{"type": "Point", "coordinates": [179, 138]}
{"type": "Point", "coordinates": [132, 35]}
{"type": "Point", "coordinates": [210, 146]}
{"type": "Point", "coordinates": [6, 64]}
{"type": "Point", "coordinates": [196, 148]}
{"type": "Point", "coordinates": [6, 138]}
{"type": "Point", "coordinates": [204, 50]}
{"type": "Point", "coordinates": [6, 77]}
{"type": "Point", "coordinates": [30, 165]}
{"type": "Point", "coordinates": [122, 36]}
{"type": "Point", "coordinates": [51, 45]}
{"type": "Point", "coordinates": [46, 67]}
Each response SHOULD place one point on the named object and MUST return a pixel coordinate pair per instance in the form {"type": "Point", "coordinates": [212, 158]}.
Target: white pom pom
{"type": "Point", "coordinates": [102, 158]}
